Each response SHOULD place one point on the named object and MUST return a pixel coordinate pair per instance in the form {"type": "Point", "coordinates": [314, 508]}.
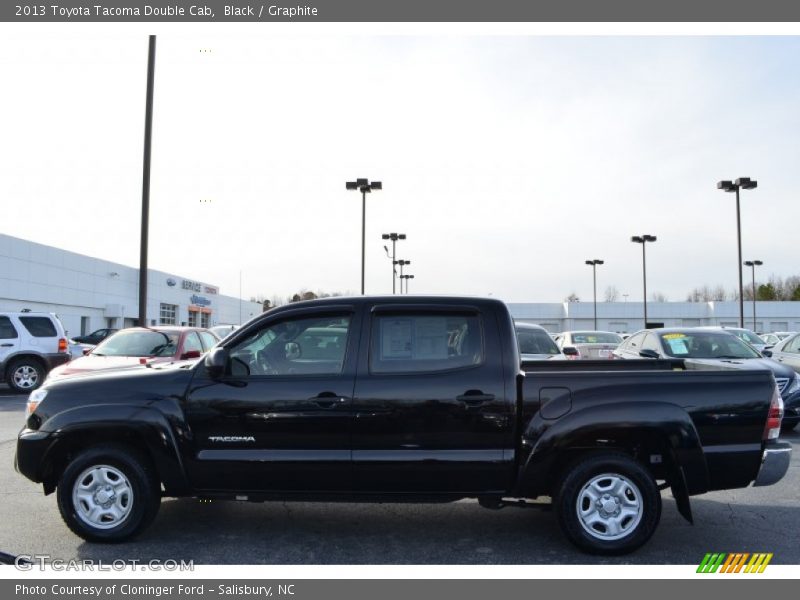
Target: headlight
{"type": "Point", "coordinates": [33, 401]}
{"type": "Point", "coordinates": [794, 386]}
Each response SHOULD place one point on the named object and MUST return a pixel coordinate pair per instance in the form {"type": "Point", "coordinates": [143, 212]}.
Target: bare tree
{"type": "Point", "coordinates": [573, 297]}
{"type": "Point", "coordinates": [658, 297]}
{"type": "Point", "coordinates": [612, 294]}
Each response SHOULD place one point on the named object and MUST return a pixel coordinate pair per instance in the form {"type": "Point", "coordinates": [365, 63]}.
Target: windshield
{"type": "Point", "coordinates": [697, 344]}
{"type": "Point", "coordinates": [535, 341]}
{"type": "Point", "coordinates": [139, 343]}
{"type": "Point", "coordinates": [595, 337]}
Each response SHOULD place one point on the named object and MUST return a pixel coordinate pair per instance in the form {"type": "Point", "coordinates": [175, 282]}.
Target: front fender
{"type": "Point", "coordinates": [144, 427]}
{"type": "Point", "coordinates": [661, 427]}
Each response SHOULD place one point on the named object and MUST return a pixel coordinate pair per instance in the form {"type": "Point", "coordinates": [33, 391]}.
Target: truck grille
{"type": "Point", "coordinates": [782, 383]}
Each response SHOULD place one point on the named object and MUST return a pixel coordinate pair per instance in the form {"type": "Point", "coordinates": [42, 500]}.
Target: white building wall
{"type": "Point", "coordinates": [43, 278]}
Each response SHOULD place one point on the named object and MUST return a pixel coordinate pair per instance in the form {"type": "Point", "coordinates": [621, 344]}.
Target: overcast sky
{"type": "Point", "coordinates": [508, 161]}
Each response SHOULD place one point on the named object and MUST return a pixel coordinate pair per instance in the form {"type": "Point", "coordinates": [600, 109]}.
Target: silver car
{"type": "Point", "coordinates": [588, 344]}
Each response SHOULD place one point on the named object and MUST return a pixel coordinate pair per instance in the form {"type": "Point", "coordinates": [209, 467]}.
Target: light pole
{"type": "Point", "coordinates": [394, 237]}
{"type": "Point", "coordinates": [594, 264]}
{"type": "Point", "coordinates": [643, 239]}
{"type": "Point", "coordinates": [402, 263]}
{"type": "Point", "coordinates": [406, 277]}
{"type": "Point", "coordinates": [365, 187]}
{"type": "Point", "coordinates": [733, 186]}
{"type": "Point", "coordinates": [145, 228]}
{"type": "Point", "coordinates": [753, 264]}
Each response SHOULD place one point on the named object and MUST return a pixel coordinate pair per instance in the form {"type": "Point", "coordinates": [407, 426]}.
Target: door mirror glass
{"type": "Point", "coordinates": [767, 353]}
{"type": "Point", "coordinates": [570, 351]}
{"type": "Point", "coordinates": [190, 354]}
{"type": "Point", "coordinates": [648, 353]}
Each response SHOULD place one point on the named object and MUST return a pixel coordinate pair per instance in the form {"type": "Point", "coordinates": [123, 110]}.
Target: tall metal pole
{"type": "Point", "coordinates": [240, 296]}
{"type": "Point", "coordinates": [644, 279]}
{"type": "Point", "coordinates": [394, 271]}
{"type": "Point", "coordinates": [594, 277]}
{"type": "Point", "coordinates": [148, 131]}
{"type": "Point", "coordinates": [753, 268]}
{"type": "Point", "coordinates": [739, 239]}
{"type": "Point", "coordinates": [363, 234]}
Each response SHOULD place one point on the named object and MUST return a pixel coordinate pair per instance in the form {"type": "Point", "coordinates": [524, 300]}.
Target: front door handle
{"type": "Point", "coordinates": [6, 345]}
{"type": "Point", "coordinates": [328, 400]}
{"type": "Point", "coordinates": [474, 397]}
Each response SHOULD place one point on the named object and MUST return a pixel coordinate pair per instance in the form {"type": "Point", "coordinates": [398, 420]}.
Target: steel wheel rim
{"type": "Point", "coordinates": [609, 506]}
{"type": "Point", "coordinates": [102, 496]}
{"type": "Point", "coordinates": [25, 377]}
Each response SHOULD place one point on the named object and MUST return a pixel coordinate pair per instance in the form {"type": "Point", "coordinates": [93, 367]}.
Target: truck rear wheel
{"type": "Point", "coordinates": [25, 375]}
{"type": "Point", "coordinates": [608, 504]}
{"type": "Point", "coordinates": [108, 494]}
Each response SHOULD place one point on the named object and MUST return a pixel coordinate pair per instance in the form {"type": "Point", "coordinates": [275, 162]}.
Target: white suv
{"type": "Point", "coordinates": [30, 345]}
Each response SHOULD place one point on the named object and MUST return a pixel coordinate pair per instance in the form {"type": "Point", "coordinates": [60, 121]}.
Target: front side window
{"type": "Point", "coordinates": [7, 331]}
{"type": "Point", "coordinates": [148, 343]}
{"type": "Point", "coordinates": [425, 342]}
{"type": "Point", "coordinates": [302, 346]}
{"type": "Point", "coordinates": [793, 345]}
{"type": "Point", "coordinates": [39, 326]}
{"type": "Point", "coordinates": [209, 341]}
{"type": "Point", "coordinates": [192, 342]}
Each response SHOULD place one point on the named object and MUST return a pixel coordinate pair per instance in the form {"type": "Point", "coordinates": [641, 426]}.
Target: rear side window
{"type": "Point", "coordinates": [418, 342]}
{"type": "Point", "coordinates": [39, 326]}
{"type": "Point", "coordinates": [209, 341]}
{"type": "Point", "coordinates": [7, 331]}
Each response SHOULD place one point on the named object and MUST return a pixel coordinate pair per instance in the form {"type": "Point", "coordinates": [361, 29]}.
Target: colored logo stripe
{"type": "Point", "coordinates": [735, 562]}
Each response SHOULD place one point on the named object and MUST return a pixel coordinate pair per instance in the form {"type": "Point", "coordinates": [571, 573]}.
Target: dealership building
{"type": "Point", "coordinates": [90, 293]}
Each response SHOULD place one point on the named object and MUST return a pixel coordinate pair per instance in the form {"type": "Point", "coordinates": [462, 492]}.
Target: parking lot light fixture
{"type": "Point", "coordinates": [393, 237]}
{"type": "Point", "coordinates": [402, 264]}
{"type": "Point", "coordinates": [406, 277]}
{"type": "Point", "coordinates": [753, 264]}
{"type": "Point", "coordinates": [594, 264]}
{"type": "Point", "coordinates": [643, 239]}
{"type": "Point", "coordinates": [365, 187]}
{"type": "Point", "coordinates": [744, 183]}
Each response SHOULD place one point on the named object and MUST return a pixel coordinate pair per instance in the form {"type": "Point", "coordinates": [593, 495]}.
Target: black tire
{"type": "Point", "coordinates": [143, 501]}
{"type": "Point", "coordinates": [643, 498]}
{"type": "Point", "coordinates": [25, 375]}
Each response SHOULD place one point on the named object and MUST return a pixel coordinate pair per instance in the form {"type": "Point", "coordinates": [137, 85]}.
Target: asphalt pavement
{"type": "Point", "coordinates": [763, 519]}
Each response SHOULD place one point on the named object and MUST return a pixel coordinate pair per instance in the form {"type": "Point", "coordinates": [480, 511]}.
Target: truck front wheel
{"type": "Point", "coordinates": [108, 494]}
{"type": "Point", "coordinates": [608, 504]}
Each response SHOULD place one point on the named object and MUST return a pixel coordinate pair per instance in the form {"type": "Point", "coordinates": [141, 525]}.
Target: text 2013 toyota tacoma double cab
{"type": "Point", "coordinates": [391, 399]}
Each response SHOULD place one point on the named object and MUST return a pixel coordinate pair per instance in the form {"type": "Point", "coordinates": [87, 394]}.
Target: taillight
{"type": "Point", "coordinates": [773, 427]}
{"type": "Point", "coordinates": [62, 345]}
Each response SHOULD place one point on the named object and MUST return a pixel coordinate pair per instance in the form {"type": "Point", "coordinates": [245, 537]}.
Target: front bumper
{"type": "Point", "coordinates": [32, 447]}
{"type": "Point", "coordinates": [774, 463]}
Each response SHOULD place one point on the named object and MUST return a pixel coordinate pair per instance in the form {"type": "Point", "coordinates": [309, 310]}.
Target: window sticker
{"type": "Point", "coordinates": [396, 340]}
{"type": "Point", "coordinates": [431, 338]}
{"type": "Point", "coordinates": [678, 345]}
{"type": "Point", "coordinates": [673, 336]}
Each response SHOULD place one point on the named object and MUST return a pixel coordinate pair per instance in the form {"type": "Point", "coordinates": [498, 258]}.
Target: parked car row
{"type": "Point", "coordinates": [700, 348]}
{"type": "Point", "coordinates": [35, 346]}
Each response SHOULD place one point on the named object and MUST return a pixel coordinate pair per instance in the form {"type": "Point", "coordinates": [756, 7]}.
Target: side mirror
{"type": "Point", "coordinates": [190, 354]}
{"type": "Point", "coordinates": [87, 351]}
{"type": "Point", "coordinates": [647, 353]}
{"type": "Point", "coordinates": [293, 350]}
{"type": "Point", "coordinates": [570, 351]}
{"type": "Point", "coordinates": [216, 362]}
{"type": "Point", "coordinates": [767, 353]}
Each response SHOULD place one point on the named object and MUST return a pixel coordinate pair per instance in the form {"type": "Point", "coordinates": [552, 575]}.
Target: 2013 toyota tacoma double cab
{"type": "Point", "coordinates": [388, 399]}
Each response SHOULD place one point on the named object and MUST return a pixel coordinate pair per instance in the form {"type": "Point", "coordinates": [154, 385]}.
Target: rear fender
{"type": "Point", "coordinates": [656, 428]}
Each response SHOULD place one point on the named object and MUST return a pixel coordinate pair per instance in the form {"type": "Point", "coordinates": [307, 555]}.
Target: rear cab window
{"type": "Point", "coordinates": [424, 342]}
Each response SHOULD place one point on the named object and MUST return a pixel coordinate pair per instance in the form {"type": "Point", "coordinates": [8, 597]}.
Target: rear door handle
{"type": "Point", "coordinates": [328, 400]}
{"type": "Point", "coordinates": [474, 397]}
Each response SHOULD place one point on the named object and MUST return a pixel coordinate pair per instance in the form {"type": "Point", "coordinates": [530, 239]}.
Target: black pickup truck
{"type": "Point", "coordinates": [392, 399]}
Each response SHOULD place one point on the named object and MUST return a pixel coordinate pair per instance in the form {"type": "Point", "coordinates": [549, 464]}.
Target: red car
{"type": "Point", "coordinates": [139, 346]}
